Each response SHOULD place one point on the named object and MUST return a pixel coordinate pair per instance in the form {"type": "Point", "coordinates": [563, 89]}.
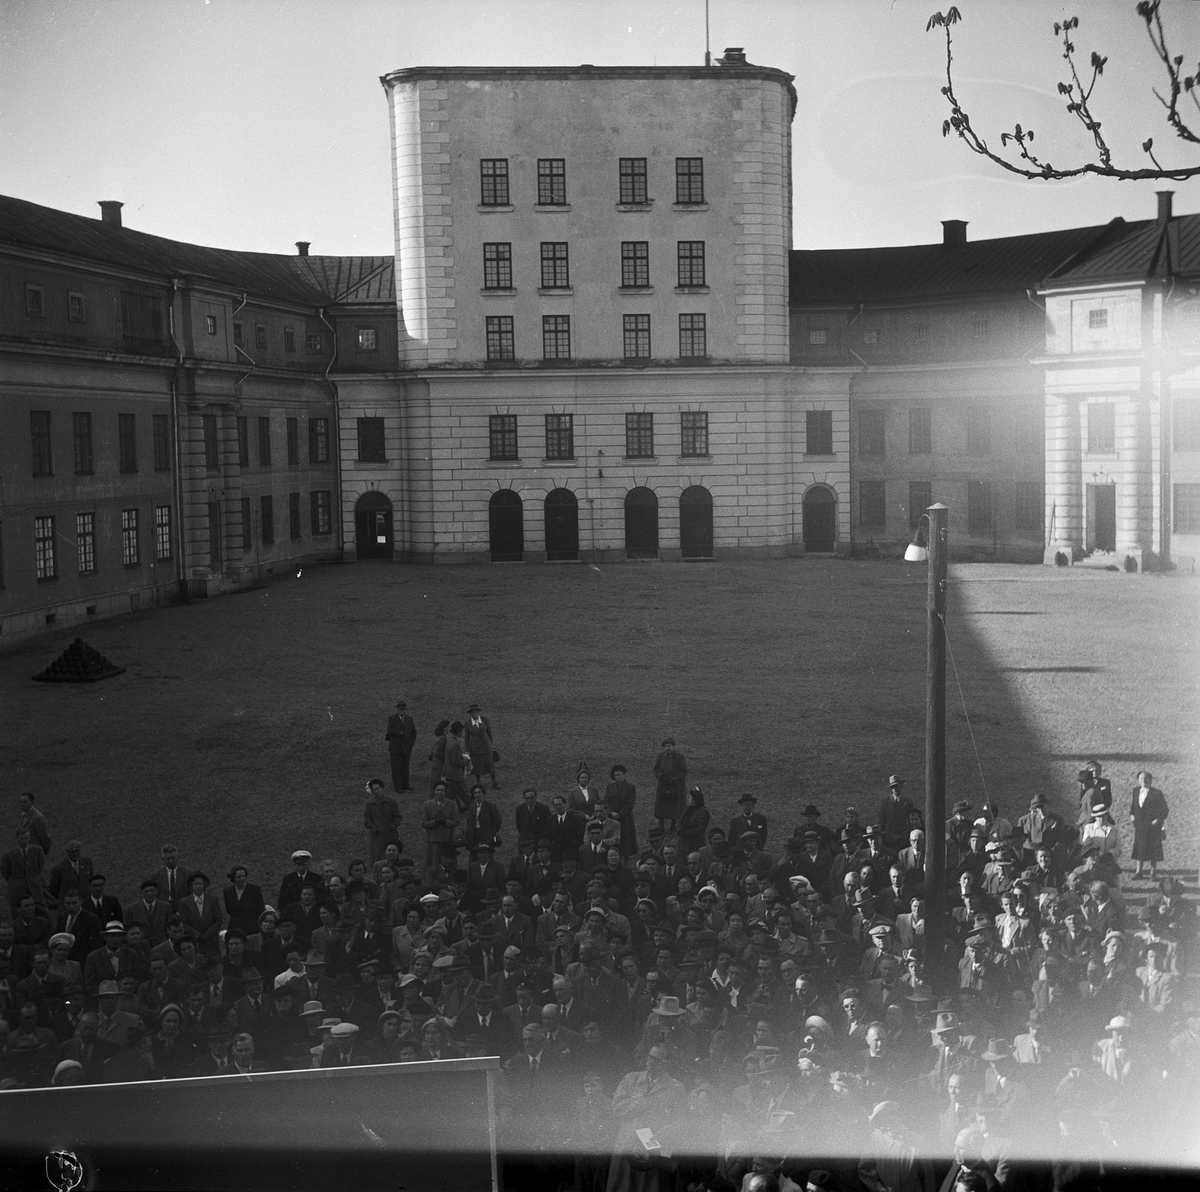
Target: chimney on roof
{"type": "Point", "coordinates": [302, 247]}
{"type": "Point", "coordinates": [110, 212]}
{"type": "Point", "coordinates": [1164, 206]}
{"type": "Point", "coordinates": [734, 56]}
{"type": "Point", "coordinates": [954, 232]}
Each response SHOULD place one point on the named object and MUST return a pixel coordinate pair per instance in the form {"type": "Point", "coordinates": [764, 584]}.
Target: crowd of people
{"type": "Point", "coordinates": [712, 1009]}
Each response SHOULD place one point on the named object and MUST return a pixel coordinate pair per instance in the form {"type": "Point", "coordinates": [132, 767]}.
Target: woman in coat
{"type": "Point", "coordinates": [670, 770]}
{"type": "Point", "coordinates": [693, 824]}
{"type": "Point", "coordinates": [243, 903]}
{"type": "Point", "coordinates": [583, 797]}
{"type": "Point", "coordinates": [621, 796]}
{"type": "Point", "coordinates": [1147, 812]}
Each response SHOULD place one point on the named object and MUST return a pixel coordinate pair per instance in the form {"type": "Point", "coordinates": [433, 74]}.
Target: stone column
{"type": "Point", "coordinates": [1064, 477]}
{"type": "Point", "coordinates": [1135, 493]}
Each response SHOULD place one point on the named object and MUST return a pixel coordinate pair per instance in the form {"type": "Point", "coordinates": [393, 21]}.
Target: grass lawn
{"type": "Point", "coordinates": [246, 726]}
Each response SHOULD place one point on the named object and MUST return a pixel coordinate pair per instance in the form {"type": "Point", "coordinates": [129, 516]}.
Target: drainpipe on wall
{"type": "Point", "coordinates": [237, 348]}
{"type": "Point", "coordinates": [176, 447]}
{"type": "Point", "coordinates": [337, 436]}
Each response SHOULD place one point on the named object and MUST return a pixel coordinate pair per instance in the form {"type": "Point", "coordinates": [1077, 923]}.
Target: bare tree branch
{"type": "Point", "coordinates": [1077, 97]}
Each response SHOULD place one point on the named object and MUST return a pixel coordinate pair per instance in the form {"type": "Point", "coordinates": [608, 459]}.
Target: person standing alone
{"type": "Point", "coordinates": [401, 735]}
{"type": "Point", "coordinates": [480, 745]}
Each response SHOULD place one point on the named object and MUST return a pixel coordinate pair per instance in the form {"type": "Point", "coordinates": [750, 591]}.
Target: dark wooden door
{"type": "Point", "coordinates": [820, 520]}
{"type": "Point", "coordinates": [696, 523]}
{"type": "Point", "coordinates": [1106, 517]}
{"type": "Point", "coordinates": [641, 524]}
{"type": "Point", "coordinates": [506, 527]}
{"type": "Point", "coordinates": [562, 525]}
{"type": "Point", "coordinates": [373, 526]}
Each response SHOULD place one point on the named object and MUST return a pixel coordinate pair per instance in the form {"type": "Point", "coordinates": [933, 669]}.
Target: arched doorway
{"type": "Point", "coordinates": [820, 519]}
{"type": "Point", "coordinates": [641, 524]}
{"type": "Point", "coordinates": [506, 527]}
{"type": "Point", "coordinates": [562, 525]}
{"type": "Point", "coordinates": [696, 523]}
{"type": "Point", "coordinates": [373, 526]}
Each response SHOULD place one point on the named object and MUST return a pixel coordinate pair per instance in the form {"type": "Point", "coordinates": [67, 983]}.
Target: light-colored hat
{"type": "Point", "coordinates": [344, 1030]}
{"type": "Point", "coordinates": [62, 937]}
{"type": "Point", "coordinates": [1120, 1023]}
{"type": "Point", "coordinates": [668, 1007]}
{"type": "Point", "coordinates": [114, 927]}
{"type": "Point", "coordinates": [311, 1008]}
{"type": "Point", "coordinates": [301, 852]}
{"type": "Point", "coordinates": [108, 987]}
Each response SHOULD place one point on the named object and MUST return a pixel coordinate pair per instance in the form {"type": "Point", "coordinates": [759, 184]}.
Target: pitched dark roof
{"type": "Point", "coordinates": [925, 272]}
{"type": "Point", "coordinates": [307, 281]}
{"type": "Point", "coordinates": [1143, 252]}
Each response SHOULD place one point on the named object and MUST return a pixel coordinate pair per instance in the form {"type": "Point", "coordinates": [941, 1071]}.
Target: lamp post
{"type": "Point", "coordinates": [935, 740]}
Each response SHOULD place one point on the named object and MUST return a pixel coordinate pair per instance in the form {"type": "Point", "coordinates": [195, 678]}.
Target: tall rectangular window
{"type": "Point", "coordinates": [294, 531]}
{"type": "Point", "coordinates": [555, 272]}
{"type": "Point", "coordinates": [693, 432]}
{"type": "Point", "coordinates": [1186, 425]}
{"type": "Point", "coordinates": [264, 442]}
{"type": "Point", "coordinates": [293, 440]}
{"type": "Point", "coordinates": [872, 504]}
{"type": "Point", "coordinates": [1030, 510]}
{"type": "Point", "coordinates": [372, 447]}
{"type": "Point", "coordinates": [636, 330]}
{"type": "Point", "coordinates": [260, 335]}
{"type": "Point", "coordinates": [127, 441]}
{"type": "Point", "coordinates": [238, 337]}
{"type": "Point", "coordinates": [690, 256]}
{"type": "Point", "coordinates": [560, 436]}
{"type": "Point", "coordinates": [161, 426]}
{"type": "Point", "coordinates": [552, 181]}
{"type": "Point", "coordinates": [45, 556]}
{"type": "Point", "coordinates": [247, 526]}
{"type": "Point", "coordinates": [322, 511]}
{"type": "Point", "coordinates": [1186, 505]}
{"type": "Point", "coordinates": [870, 432]}
{"type": "Point", "coordinates": [556, 337]}
{"type": "Point", "coordinates": [289, 339]}
{"type": "Point", "coordinates": [639, 436]}
{"type": "Point", "coordinates": [35, 302]}
{"type": "Point", "coordinates": [502, 436]}
{"type": "Point", "coordinates": [920, 430]}
{"type": "Point", "coordinates": [85, 542]}
{"type": "Point", "coordinates": [979, 506]}
{"type": "Point", "coordinates": [500, 342]}
{"type": "Point", "coordinates": [141, 322]}
{"type": "Point", "coordinates": [493, 182]}
{"type": "Point", "coordinates": [818, 432]}
{"type": "Point", "coordinates": [130, 549]}
{"type": "Point", "coordinates": [212, 454]}
{"type": "Point", "coordinates": [318, 440]}
{"type": "Point", "coordinates": [689, 180]}
{"type": "Point", "coordinates": [920, 497]}
{"type": "Point", "coordinates": [1101, 426]}
{"type": "Point", "coordinates": [497, 266]}
{"type": "Point", "coordinates": [76, 307]}
{"type": "Point", "coordinates": [635, 263]}
{"type": "Point", "coordinates": [266, 507]}
{"type": "Point", "coordinates": [979, 431]}
{"type": "Point", "coordinates": [693, 335]}
{"type": "Point", "coordinates": [633, 180]}
{"type": "Point", "coordinates": [162, 532]}
{"type": "Point", "coordinates": [81, 426]}
{"type": "Point", "coordinates": [39, 431]}
{"type": "Point", "coordinates": [243, 437]}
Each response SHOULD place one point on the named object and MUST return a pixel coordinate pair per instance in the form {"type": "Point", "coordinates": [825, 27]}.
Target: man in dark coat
{"type": "Point", "coordinates": [104, 906]}
{"type": "Point", "coordinates": [73, 872]}
{"type": "Point", "coordinates": [173, 880]}
{"type": "Point", "coordinates": [1147, 812]}
{"type": "Point", "coordinates": [621, 797]}
{"type": "Point", "coordinates": [24, 869]}
{"type": "Point", "coordinates": [532, 818]}
{"type": "Point", "coordinates": [150, 911]}
{"type": "Point", "coordinates": [893, 814]}
{"type": "Point", "coordinates": [670, 795]}
{"type": "Point", "coordinates": [482, 820]}
{"type": "Point", "coordinates": [289, 888]}
{"type": "Point", "coordinates": [748, 820]}
{"type": "Point", "coordinates": [565, 830]}
{"type": "Point", "coordinates": [381, 818]}
{"type": "Point", "coordinates": [480, 744]}
{"type": "Point", "coordinates": [82, 924]}
{"type": "Point", "coordinates": [401, 735]}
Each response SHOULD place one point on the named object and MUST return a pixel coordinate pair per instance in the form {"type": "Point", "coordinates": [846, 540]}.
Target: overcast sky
{"type": "Point", "coordinates": [251, 124]}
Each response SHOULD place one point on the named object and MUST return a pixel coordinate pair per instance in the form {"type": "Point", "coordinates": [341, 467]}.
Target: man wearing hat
{"type": "Point", "coordinates": [115, 1025]}
{"type": "Point", "coordinates": [1093, 789]}
{"type": "Point", "coordinates": [876, 855]}
{"type": "Point", "coordinates": [289, 888]}
{"type": "Point", "coordinates": [401, 735]}
{"type": "Point", "coordinates": [480, 743]}
{"type": "Point", "coordinates": [621, 797]}
{"type": "Point", "coordinates": [954, 1050]}
{"type": "Point", "coordinates": [958, 826]}
{"type": "Point", "coordinates": [1101, 833]}
{"type": "Point", "coordinates": [814, 861]}
{"type": "Point", "coordinates": [894, 808]}
{"type": "Point", "coordinates": [73, 872]}
{"type": "Point", "coordinates": [1114, 1054]}
{"type": "Point", "coordinates": [381, 818]}
{"type": "Point", "coordinates": [108, 962]}
{"type": "Point", "coordinates": [670, 773]}
{"type": "Point", "coordinates": [748, 820]}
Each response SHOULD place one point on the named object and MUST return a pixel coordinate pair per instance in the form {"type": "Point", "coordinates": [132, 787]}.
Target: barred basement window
{"type": "Point", "coordinates": [502, 436]}
{"type": "Point", "coordinates": [161, 425]}
{"type": "Point", "coordinates": [85, 542]}
{"type": "Point", "coordinates": [635, 263]}
{"type": "Point", "coordinates": [556, 337]}
{"type": "Point", "coordinates": [322, 512]}
{"type": "Point", "coordinates": [493, 182]}
{"type": "Point", "coordinates": [267, 513]}
{"type": "Point", "coordinates": [639, 436]}
{"type": "Point", "coordinates": [45, 557]}
{"type": "Point", "coordinates": [690, 256]}
{"type": "Point", "coordinates": [130, 551]}
{"type": "Point", "coordinates": [162, 532]}
{"type": "Point", "coordinates": [693, 335]}
{"type": "Point", "coordinates": [318, 440]}
{"type": "Point", "coordinates": [555, 272]}
{"type": "Point", "coordinates": [497, 266]}
{"type": "Point", "coordinates": [552, 182]}
{"type": "Point", "coordinates": [293, 440]}
{"type": "Point", "coordinates": [693, 432]}
{"type": "Point", "coordinates": [127, 441]}
{"type": "Point", "coordinates": [637, 336]}
{"type": "Point", "coordinates": [633, 179]}
{"type": "Point", "coordinates": [689, 180]}
{"type": "Point", "coordinates": [500, 342]}
{"type": "Point", "coordinates": [818, 432]}
{"type": "Point", "coordinates": [81, 425]}
{"type": "Point", "coordinates": [560, 436]}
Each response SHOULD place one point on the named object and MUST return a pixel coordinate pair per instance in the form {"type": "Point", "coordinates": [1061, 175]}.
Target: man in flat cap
{"type": "Point", "coordinates": [401, 735]}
